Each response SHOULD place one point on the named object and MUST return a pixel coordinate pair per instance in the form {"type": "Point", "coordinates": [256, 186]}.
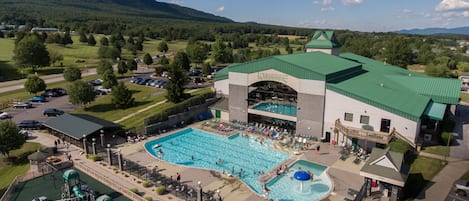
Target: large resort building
{"type": "Point", "coordinates": [343, 98]}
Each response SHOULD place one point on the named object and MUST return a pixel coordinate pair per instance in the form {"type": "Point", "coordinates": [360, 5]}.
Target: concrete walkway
{"type": "Point", "coordinates": [139, 111]}
{"type": "Point", "coordinates": [19, 84]}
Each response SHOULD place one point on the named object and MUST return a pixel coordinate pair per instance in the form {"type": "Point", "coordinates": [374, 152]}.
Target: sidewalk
{"type": "Point", "coordinates": [19, 84]}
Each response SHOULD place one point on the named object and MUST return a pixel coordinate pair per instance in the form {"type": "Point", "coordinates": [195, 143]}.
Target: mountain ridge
{"type": "Point", "coordinates": [433, 31]}
{"type": "Point", "coordinates": [96, 9]}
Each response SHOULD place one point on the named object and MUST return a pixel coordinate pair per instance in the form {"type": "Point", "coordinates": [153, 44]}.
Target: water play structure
{"type": "Point", "coordinates": [73, 189]}
{"type": "Point", "coordinates": [302, 176]}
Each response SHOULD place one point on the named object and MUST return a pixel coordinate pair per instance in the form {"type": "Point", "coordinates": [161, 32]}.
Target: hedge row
{"type": "Point", "coordinates": [179, 108]}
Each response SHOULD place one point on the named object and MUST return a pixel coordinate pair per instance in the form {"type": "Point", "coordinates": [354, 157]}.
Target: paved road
{"type": "Point", "coordinates": [460, 148]}
{"type": "Point", "coordinates": [19, 84]}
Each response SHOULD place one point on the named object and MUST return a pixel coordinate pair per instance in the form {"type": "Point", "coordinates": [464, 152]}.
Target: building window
{"type": "Point", "coordinates": [348, 117]}
{"type": "Point", "coordinates": [364, 119]}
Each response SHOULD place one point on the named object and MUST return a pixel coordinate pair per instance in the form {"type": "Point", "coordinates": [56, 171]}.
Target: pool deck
{"type": "Point", "coordinates": [344, 174]}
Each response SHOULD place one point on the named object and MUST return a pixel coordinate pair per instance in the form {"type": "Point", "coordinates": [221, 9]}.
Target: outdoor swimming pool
{"type": "Point", "coordinates": [278, 108]}
{"type": "Point", "coordinates": [197, 148]}
{"type": "Point", "coordinates": [284, 187]}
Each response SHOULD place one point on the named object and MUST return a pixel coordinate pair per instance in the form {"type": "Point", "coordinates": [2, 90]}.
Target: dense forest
{"type": "Point", "coordinates": [439, 55]}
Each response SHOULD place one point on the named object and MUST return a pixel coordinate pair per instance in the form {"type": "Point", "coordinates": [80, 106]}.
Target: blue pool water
{"type": "Point", "coordinates": [239, 152]}
{"type": "Point", "coordinates": [284, 188]}
{"type": "Point", "coordinates": [289, 110]}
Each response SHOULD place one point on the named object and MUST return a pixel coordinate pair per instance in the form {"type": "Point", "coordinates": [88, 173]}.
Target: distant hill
{"type": "Point", "coordinates": [83, 10]}
{"type": "Point", "coordinates": [433, 31]}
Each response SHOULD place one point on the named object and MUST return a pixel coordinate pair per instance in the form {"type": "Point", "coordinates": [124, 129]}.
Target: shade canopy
{"type": "Point", "coordinates": [435, 111]}
{"type": "Point", "coordinates": [38, 156]}
{"type": "Point", "coordinates": [302, 176]}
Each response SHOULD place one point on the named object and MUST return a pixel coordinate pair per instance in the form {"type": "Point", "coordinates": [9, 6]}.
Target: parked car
{"type": "Point", "coordinates": [4, 115]}
{"type": "Point", "coordinates": [144, 82]}
{"type": "Point", "coordinates": [136, 79]}
{"type": "Point", "coordinates": [99, 92]}
{"type": "Point", "coordinates": [162, 84]}
{"type": "Point", "coordinates": [156, 82]}
{"type": "Point", "coordinates": [52, 112]}
{"type": "Point", "coordinates": [195, 72]}
{"type": "Point", "coordinates": [30, 124]}
{"type": "Point", "coordinates": [37, 99]}
{"type": "Point", "coordinates": [24, 132]}
{"type": "Point", "coordinates": [164, 74]}
{"type": "Point", "coordinates": [24, 105]}
{"type": "Point", "coordinates": [54, 92]}
{"type": "Point", "coordinates": [96, 82]}
{"type": "Point", "coordinates": [462, 187]}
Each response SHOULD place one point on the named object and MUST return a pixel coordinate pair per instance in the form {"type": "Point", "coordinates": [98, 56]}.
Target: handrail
{"type": "Point", "coordinates": [113, 185]}
{"type": "Point", "coordinates": [375, 136]}
{"type": "Point", "coordinates": [6, 195]}
{"type": "Point", "coordinates": [402, 137]}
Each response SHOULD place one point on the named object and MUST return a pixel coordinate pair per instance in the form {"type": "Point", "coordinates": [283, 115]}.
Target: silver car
{"type": "Point", "coordinates": [4, 115]}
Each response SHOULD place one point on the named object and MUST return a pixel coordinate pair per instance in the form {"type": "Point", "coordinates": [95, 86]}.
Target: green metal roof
{"type": "Point", "coordinates": [381, 171]}
{"type": "Point", "coordinates": [435, 111]}
{"type": "Point", "coordinates": [309, 65]}
{"type": "Point", "coordinates": [374, 89]}
{"type": "Point", "coordinates": [77, 125]}
{"type": "Point", "coordinates": [323, 40]}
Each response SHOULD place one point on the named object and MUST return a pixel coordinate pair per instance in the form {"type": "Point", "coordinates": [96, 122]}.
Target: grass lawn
{"type": "Point", "coordinates": [437, 149]}
{"type": "Point", "coordinates": [422, 170]}
{"type": "Point", "coordinates": [8, 172]}
{"type": "Point", "coordinates": [144, 97]}
{"type": "Point", "coordinates": [465, 97]}
{"type": "Point", "coordinates": [465, 176]}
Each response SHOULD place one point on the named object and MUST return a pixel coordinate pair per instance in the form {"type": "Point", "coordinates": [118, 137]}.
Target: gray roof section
{"type": "Point", "coordinates": [221, 104]}
{"type": "Point", "coordinates": [381, 171]}
{"type": "Point", "coordinates": [77, 125]}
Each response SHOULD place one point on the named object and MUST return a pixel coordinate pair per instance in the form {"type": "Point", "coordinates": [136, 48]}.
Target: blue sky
{"type": "Point", "coordinates": [360, 15]}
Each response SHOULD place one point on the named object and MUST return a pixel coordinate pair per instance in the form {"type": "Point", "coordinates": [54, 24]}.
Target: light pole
{"type": "Point", "coordinates": [109, 157]}
{"type": "Point", "coordinates": [85, 149]}
{"type": "Point", "coordinates": [119, 160]}
{"type": "Point", "coordinates": [450, 137]}
{"type": "Point", "coordinates": [93, 145]}
{"type": "Point", "coordinates": [102, 138]}
{"type": "Point", "coordinates": [199, 191]}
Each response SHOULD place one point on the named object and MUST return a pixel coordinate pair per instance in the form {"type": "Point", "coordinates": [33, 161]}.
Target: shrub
{"type": "Point", "coordinates": [92, 157]}
{"type": "Point", "coordinates": [148, 198]}
{"type": "Point", "coordinates": [134, 190]}
{"type": "Point", "coordinates": [146, 184]}
{"type": "Point", "coordinates": [160, 190]}
{"type": "Point", "coordinates": [447, 136]}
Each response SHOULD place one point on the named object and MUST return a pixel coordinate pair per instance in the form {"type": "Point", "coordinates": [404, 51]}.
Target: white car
{"type": "Point", "coordinates": [4, 115]}
{"type": "Point", "coordinates": [462, 187]}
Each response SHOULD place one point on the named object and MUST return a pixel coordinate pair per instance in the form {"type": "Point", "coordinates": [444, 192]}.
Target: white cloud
{"type": "Point", "coordinates": [176, 2]}
{"type": "Point", "coordinates": [449, 14]}
{"type": "Point", "coordinates": [407, 11]}
{"type": "Point", "coordinates": [316, 2]}
{"type": "Point", "coordinates": [351, 2]}
{"type": "Point", "coordinates": [465, 14]}
{"type": "Point", "coordinates": [326, 2]}
{"type": "Point", "coordinates": [452, 5]}
{"type": "Point", "coordinates": [330, 8]}
{"type": "Point", "coordinates": [221, 9]}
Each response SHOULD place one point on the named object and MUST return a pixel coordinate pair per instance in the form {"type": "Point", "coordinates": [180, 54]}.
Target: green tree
{"type": "Point", "coordinates": [91, 40]}
{"type": "Point", "coordinates": [206, 68]}
{"type": "Point", "coordinates": [197, 52]}
{"type": "Point", "coordinates": [163, 46]}
{"type": "Point", "coordinates": [147, 59]}
{"type": "Point", "coordinates": [181, 60]}
{"type": "Point", "coordinates": [218, 49]}
{"type": "Point", "coordinates": [106, 52]}
{"type": "Point", "coordinates": [55, 56]}
{"type": "Point", "coordinates": [9, 137]}
{"type": "Point", "coordinates": [397, 52]}
{"type": "Point", "coordinates": [104, 41]}
{"type": "Point", "coordinates": [177, 79]}
{"type": "Point", "coordinates": [81, 93]}
{"type": "Point", "coordinates": [463, 66]}
{"type": "Point", "coordinates": [72, 73]}
{"type": "Point", "coordinates": [83, 38]}
{"type": "Point", "coordinates": [103, 67]}
{"type": "Point", "coordinates": [122, 96]}
{"type": "Point", "coordinates": [67, 39]}
{"type": "Point", "coordinates": [164, 61]}
{"type": "Point", "coordinates": [121, 67]}
{"type": "Point", "coordinates": [31, 52]}
{"type": "Point", "coordinates": [132, 64]}
{"type": "Point", "coordinates": [437, 70]}
{"type": "Point", "coordinates": [425, 54]}
{"type": "Point", "coordinates": [109, 79]}
{"type": "Point", "coordinates": [34, 84]}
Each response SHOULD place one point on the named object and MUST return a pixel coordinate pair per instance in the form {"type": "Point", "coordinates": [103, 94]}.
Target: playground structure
{"type": "Point", "coordinates": [75, 191]}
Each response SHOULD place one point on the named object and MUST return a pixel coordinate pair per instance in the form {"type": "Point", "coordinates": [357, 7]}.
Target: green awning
{"type": "Point", "coordinates": [435, 111]}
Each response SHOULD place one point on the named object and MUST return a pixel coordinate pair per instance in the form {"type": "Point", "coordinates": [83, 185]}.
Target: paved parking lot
{"type": "Point", "coordinates": [36, 113]}
{"type": "Point", "coordinates": [452, 196]}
